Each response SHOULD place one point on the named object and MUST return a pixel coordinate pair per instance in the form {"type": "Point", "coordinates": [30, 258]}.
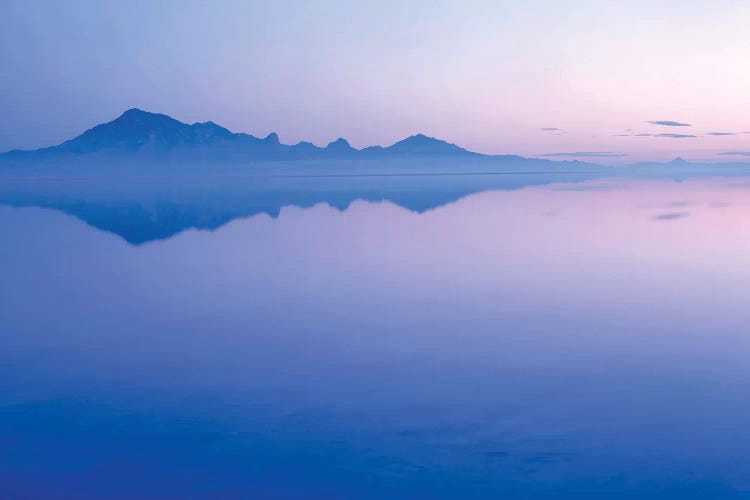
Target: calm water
{"type": "Point", "coordinates": [569, 340]}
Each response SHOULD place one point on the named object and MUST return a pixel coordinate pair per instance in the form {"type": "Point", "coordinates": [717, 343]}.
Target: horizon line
{"type": "Point", "coordinates": [574, 156]}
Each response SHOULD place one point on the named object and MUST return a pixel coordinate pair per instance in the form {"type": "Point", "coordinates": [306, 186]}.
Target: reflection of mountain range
{"type": "Point", "coordinates": [141, 209]}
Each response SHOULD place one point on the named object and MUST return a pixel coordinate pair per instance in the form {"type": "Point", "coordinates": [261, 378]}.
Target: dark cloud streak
{"type": "Point", "coordinates": [669, 123]}
{"type": "Point", "coordinates": [676, 136]}
{"type": "Point", "coordinates": [671, 216]}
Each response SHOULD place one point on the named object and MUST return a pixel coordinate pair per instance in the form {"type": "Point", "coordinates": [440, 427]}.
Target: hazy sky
{"type": "Point", "coordinates": [486, 74]}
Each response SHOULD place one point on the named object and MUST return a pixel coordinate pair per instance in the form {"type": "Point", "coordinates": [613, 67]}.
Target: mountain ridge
{"type": "Point", "coordinates": [139, 131]}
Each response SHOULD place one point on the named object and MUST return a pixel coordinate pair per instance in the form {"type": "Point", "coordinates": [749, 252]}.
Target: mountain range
{"type": "Point", "coordinates": [142, 138]}
{"type": "Point", "coordinates": [154, 135]}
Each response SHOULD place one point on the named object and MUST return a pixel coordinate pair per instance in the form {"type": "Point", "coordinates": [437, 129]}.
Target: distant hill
{"type": "Point", "coordinates": [137, 130]}
{"type": "Point", "coordinates": [419, 145]}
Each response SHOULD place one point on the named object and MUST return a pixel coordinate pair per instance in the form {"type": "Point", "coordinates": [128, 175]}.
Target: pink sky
{"type": "Point", "coordinates": [486, 74]}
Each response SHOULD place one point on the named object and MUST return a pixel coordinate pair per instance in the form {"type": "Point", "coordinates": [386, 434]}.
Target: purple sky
{"type": "Point", "coordinates": [533, 78]}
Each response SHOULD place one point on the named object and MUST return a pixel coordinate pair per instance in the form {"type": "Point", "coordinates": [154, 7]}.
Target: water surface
{"type": "Point", "coordinates": [568, 340]}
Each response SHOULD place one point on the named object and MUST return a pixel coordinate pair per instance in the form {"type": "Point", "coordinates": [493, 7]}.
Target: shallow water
{"type": "Point", "coordinates": [568, 340]}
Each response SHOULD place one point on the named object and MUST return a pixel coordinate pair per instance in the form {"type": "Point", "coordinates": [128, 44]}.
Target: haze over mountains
{"type": "Point", "coordinates": [159, 136]}
{"type": "Point", "coordinates": [143, 140]}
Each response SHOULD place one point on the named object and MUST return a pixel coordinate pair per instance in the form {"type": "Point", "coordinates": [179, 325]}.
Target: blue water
{"type": "Point", "coordinates": [567, 340]}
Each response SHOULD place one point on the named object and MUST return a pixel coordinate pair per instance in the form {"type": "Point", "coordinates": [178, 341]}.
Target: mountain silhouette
{"type": "Point", "coordinates": [340, 147]}
{"type": "Point", "coordinates": [138, 133]}
{"type": "Point", "coordinates": [138, 130]}
{"type": "Point", "coordinates": [420, 144]}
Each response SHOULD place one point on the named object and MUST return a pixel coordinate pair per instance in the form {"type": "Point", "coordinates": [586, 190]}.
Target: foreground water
{"type": "Point", "coordinates": [571, 340]}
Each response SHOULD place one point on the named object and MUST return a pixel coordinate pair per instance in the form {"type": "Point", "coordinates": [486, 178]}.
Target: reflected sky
{"type": "Point", "coordinates": [573, 340]}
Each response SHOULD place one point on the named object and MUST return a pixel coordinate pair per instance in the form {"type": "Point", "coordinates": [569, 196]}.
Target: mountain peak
{"type": "Point", "coordinates": [135, 111]}
{"type": "Point", "coordinates": [139, 114]}
{"type": "Point", "coordinates": [130, 131]}
{"type": "Point", "coordinates": [422, 144]}
{"type": "Point", "coordinates": [273, 138]}
{"type": "Point", "coordinates": [339, 143]}
{"type": "Point", "coordinates": [421, 139]}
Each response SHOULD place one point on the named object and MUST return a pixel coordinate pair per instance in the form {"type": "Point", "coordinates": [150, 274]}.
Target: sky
{"type": "Point", "coordinates": [618, 81]}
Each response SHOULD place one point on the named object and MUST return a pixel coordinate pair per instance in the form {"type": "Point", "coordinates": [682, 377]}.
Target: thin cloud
{"type": "Point", "coordinates": [735, 153]}
{"type": "Point", "coordinates": [669, 123]}
{"type": "Point", "coordinates": [644, 135]}
{"type": "Point", "coordinates": [553, 130]}
{"type": "Point", "coordinates": [722, 133]}
{"type": "Point", "coordinates": [676, 136]}
{"type": "Point", "coordinates": [671, 216]}
{"type": "Point", "coordinates": [586, 154]}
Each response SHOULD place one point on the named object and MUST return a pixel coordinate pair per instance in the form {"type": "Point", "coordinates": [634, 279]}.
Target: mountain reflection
{"type": "Point", "coordinates": [141, 208]}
